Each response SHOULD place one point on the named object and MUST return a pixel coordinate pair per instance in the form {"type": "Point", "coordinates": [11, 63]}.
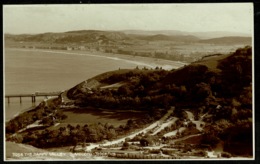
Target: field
{"type": "Point", "coordinates": [90, 115]}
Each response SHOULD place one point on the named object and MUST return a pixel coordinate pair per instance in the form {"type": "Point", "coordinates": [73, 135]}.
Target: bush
{"type": "Point", "coordinates": [168, 152]}
{"type": "Point", "coordinates": [63, 117]}
{"type": "Point", "coordinates": [125, 145]}
{"type": "Point", "coordinates": [154, 151]}
{"type": "Point", "coordinates": [201, 153]}
{"type": "Point", "coordinates": [47, 121]}
{"type": "Point", "coordinates": [226, 155]}
{"type": "Point", "coordinates": [210, 139]}
{"type": "Point", "coordinates": [17, 138]}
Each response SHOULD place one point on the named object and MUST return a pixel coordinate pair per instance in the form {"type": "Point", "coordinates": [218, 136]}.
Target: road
{"type": "Point", "coordinates": [166, 124]}
{"type": "Point", "coordinates": [199, 123]}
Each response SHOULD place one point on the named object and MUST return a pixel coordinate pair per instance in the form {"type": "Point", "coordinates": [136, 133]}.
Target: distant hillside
{"type": "Point", "coordinates": [162, 32]}
{"type": "Point", "coordinates": [162, 37]}
{"type": "Point", "coordinates": [86, 36]}
{"type": "Point", "coordinates": [218, 34]}
{"type": "Point", "coordinates": [201, 35]}
{"type": "Point", "coordinates": [131, 36]}
{"type": "Point", "coordinates": [229, 40]}
{"type": "Point", "coordinates": [92, 36]}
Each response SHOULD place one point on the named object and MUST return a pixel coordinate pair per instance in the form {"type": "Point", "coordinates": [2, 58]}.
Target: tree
{"type": "Point", "coordinates": [124, 90]}
{"type": "Point", "coordinates": [47, 121]}
{"type": "Point", "coordinates": [111, 133]}
{"type": "Point", "coordinates": [125, 145]}
{"type": "Point", "coordinates": [202, 91]}
{"type": "Point", "coordinates": [146, 141]}
{"type": "Point", "coordinates": [130, 124]}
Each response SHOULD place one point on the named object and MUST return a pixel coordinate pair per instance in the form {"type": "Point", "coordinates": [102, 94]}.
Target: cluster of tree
{"type": "Point", "coordinates": [147, 89]}
{"type": "Point", "coordinates": [136, 93]}
{"type": "Point", "coordinates": [73, 135]}
{"type": "Point", "coordinates": [226, 96]}
{"type": "Point", "coordinates": [232, 124]}
{"type": "Point", "coordinates": [236, 72]}
{"type": "Point", "coordinates": [53, 118]}
{"type": "Point", "coordinates": [235, 89]}
{"type": "Point", "coordinates": [44, 112]}
{"type": "Point", "coordinates": [26, 118]}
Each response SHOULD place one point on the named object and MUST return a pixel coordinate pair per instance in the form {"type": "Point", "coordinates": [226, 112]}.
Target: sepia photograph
{"type": "Point", "coordinates": [89, 82]}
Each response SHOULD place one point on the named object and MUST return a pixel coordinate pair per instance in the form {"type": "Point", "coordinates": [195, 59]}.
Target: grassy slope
{"type": "Point", "coordinates": [211, 62]}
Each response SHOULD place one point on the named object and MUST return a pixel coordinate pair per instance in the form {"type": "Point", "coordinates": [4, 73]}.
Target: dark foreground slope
{"type": "Point", "coordinates": [219, 87]}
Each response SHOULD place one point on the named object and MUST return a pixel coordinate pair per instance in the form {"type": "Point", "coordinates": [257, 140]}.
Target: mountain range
{"type": "Point", "coordinates": [132, 36]}
{"type": "Point", "coordinates": [201, 35]}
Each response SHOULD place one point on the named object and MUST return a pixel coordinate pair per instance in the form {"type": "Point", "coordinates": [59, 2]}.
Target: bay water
{"type": "Point", "coordinates": [28, 71]}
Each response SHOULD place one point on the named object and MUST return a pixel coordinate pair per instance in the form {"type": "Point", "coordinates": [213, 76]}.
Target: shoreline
{"type": "Point", "coordinates": [137, 60]}
{"type": "Point", "coordinates": [31, 107]}
{"type": "Point", "coordinates": [28, 109]}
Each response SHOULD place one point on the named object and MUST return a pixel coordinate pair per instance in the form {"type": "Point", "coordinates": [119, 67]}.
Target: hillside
{"type": "Point", "coordinates": [93, 36]}
{"type": "Point", "coordinates": [229, 40]}
{"type": "Point", "coordinates": [86, 36]}
{"type": "Point", "coordinates": [201, 35]}
{"type": "Point", "coordinates": [211, 102]}
{"type": "Point", "coordinates": [223, 92]}
{"type": "Point", "coordinates": [161, 37]}
{"type": "Point", "coordinates": [167, 45]}
{"type": "Point", "coordinates": [162, 32]}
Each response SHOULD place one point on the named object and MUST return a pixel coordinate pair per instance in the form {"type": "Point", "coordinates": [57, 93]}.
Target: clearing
{"type": "Point", "coordinates": [93, 115]}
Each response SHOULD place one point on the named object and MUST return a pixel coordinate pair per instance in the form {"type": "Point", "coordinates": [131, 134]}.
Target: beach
{"type": "Point", "coordinates": [137, 60]}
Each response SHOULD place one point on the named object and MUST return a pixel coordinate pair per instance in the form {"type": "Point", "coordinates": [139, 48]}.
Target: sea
{"type": "Point", "coordinates": [28, 71]}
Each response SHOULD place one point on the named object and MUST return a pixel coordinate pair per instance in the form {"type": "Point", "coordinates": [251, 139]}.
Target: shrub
{"type": "Point", "coordinates": [226, 155]}
{"type": "Point", "coordinates": [154, 151]}
{"type": "Point", "coordinates": [168, 152]}
{"type": "Point", "coordinates": [201, 153]}
{"type": "Point", "coordinates": [47, 121]}
{"type": "Point", "coordinates": [125, 145]}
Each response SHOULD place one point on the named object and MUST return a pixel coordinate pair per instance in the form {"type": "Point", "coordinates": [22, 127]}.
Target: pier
{"type": "Point", "coordinates": [33, 96]}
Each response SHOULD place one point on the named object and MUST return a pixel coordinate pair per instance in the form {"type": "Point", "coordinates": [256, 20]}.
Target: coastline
{"type": "Point", "coordinates": [138, 60]}
{"type": "Point", "coordinates": [29, 108]}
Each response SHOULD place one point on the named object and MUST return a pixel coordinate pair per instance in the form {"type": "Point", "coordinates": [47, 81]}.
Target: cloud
{"type": "Point", "coordinates": [186, 17]}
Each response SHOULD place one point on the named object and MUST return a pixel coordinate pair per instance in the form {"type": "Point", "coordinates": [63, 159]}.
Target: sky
{"type": "Point", "coordinates": [33, 19]}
